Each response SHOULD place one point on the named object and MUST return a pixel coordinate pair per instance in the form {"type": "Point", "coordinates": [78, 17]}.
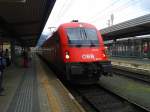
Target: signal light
{"type": "Point", "coordinates": [67, 55]}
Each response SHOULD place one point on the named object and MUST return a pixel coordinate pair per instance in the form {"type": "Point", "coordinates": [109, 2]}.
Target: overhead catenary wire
{"type": "Point", "coordinates": [127, 6]}
{"type": "Point", "coordinates": [55, 14]}
{"type": "Point", "coordinates": [110, 10]}
{"type": "Point", "coordinates": [115, 10]}
{"type": "Point", "coordinates": [63, 10]}
{"type": "Point", "coordinates": [103, 10]}
{"type": "Point", "coordinates": [66, 10]}
{"type": "Point", "coordinates": [139, 10]}
{"type": "Point", "coordinates": [66, 6]}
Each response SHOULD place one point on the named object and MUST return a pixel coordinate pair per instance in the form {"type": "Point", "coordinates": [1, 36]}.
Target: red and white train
{"type": "Point", "coordinates": [77, 50]}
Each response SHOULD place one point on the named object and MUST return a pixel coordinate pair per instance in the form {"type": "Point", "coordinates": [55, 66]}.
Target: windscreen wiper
{"type": "Point", "coordinates": [85, 35]}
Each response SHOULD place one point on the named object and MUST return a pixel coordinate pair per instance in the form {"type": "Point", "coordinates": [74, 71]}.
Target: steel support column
{"type": "Point", "coordinates": [13, 55]}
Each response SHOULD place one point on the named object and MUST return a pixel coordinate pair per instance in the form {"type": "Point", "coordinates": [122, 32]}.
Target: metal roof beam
{"type": "Point", "coordinates": [23, 23]}
{"type": "Point", "coordinates": [8, 30]}
{"type": "Point", "coordinates": [134, 27]}
{"type": "Point", "coordinates": [28, 34]}
{"type": "Point", "coordinates": [130, 34]}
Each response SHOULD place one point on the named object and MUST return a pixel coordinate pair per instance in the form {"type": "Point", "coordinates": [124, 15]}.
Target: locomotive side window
{"type": "Point", "coordinates": [82, 36]}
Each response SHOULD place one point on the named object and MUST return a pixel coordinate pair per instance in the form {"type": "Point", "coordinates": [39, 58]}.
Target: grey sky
{"type": "Point", "coordinates": [145, 5]}
{"type": "Point", "coordinates": [96, 12]}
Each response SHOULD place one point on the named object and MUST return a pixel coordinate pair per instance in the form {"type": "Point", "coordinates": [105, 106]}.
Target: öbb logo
{"type": "Point", "coordinates": [88, 56]}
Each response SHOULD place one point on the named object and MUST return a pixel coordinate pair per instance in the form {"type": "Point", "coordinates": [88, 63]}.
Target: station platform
{"type": "Point", "coordinates": [131, 90]}
{"type": "Point", "coordinates": [132, 64]}
{"type": "Point", "coordinates": [35, 89]}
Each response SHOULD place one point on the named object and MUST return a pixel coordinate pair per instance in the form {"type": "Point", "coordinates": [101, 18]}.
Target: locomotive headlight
{"type": "Point", "coordinates": [104, 55]}
{"type": "Point", "coordinates": [67, 55]}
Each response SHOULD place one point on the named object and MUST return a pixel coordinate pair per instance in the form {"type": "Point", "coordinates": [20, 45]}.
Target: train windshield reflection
{"type": "Point", "coordinates": [82, 36]}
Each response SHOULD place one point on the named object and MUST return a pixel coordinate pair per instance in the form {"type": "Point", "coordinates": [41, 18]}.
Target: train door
{"type": "Point", "coordinates": [122, 49]}
{"type": "Point", "coordinates": [126, 48]}
{"type": "Point", "coordinates": [114, 49]}
{"type": "Point", "coordinates": [148, 52]}
{"type": "Point", "coordinates": [118, 49]}
{"type": "Point", "coordinates": [145, 48]}
{"type": "Point", "coordinates": [136, 48]}
{"type": "Point", "coordinates": [129, 48]}
{"type": "Point", "coordinates": [132, 47]}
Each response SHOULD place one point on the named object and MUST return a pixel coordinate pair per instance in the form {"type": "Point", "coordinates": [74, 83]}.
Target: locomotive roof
{"type": "Point", "coordinates": [77, 24]}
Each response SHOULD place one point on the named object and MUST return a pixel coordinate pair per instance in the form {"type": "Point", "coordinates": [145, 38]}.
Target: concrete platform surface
{"type": "Point", "coordinates": [12, 78]}
{"type": "Point", "coordinates": [132, 64]}
{"type": "Point", "coordinates": [59, 99]}
{"type": "Point", "coordinates": [131, 90]}
{"type": "Point", "coordinates": [132, 60]}
{"type": "Point", "coordinates": [35, 89]}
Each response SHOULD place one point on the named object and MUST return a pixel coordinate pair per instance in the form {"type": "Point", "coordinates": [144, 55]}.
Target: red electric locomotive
{"type": "Point", "coordinates": [77, 50]}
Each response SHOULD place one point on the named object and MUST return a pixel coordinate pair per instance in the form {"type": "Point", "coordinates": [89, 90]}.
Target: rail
{"type": "Point", "coordinates": [102, 100]}
{"type": "Point", "coordinates": [142, 76]}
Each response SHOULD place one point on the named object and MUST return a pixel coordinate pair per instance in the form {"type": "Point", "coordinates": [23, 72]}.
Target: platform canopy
{"type": "Point", "coordinates": [24, 20]}
{"type": "Point", "coordinates": [134, 27]}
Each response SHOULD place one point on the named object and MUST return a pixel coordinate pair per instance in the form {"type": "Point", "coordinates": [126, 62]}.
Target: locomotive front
{"type": "Point", "coordinates": [84, 53]}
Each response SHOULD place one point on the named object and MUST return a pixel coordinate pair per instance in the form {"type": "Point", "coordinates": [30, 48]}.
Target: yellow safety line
{"type": "Point", "coordinates": [53, 101]}
{"type": "Point", "coordinates": [73, 99]}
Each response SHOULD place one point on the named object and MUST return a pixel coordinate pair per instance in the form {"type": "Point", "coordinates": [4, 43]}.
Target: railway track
{"type": "Point", "coordinates": [131, 74]}
{"type": "Point", "coordinates": [102, 100]}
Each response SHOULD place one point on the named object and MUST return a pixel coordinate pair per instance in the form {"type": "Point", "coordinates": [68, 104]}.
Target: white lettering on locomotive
{"type": "Point", "coordinates": [88, 56]}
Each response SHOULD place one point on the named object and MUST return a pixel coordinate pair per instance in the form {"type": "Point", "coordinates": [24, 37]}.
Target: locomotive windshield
{"type": "Point", "coordinates": [82, 36]}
